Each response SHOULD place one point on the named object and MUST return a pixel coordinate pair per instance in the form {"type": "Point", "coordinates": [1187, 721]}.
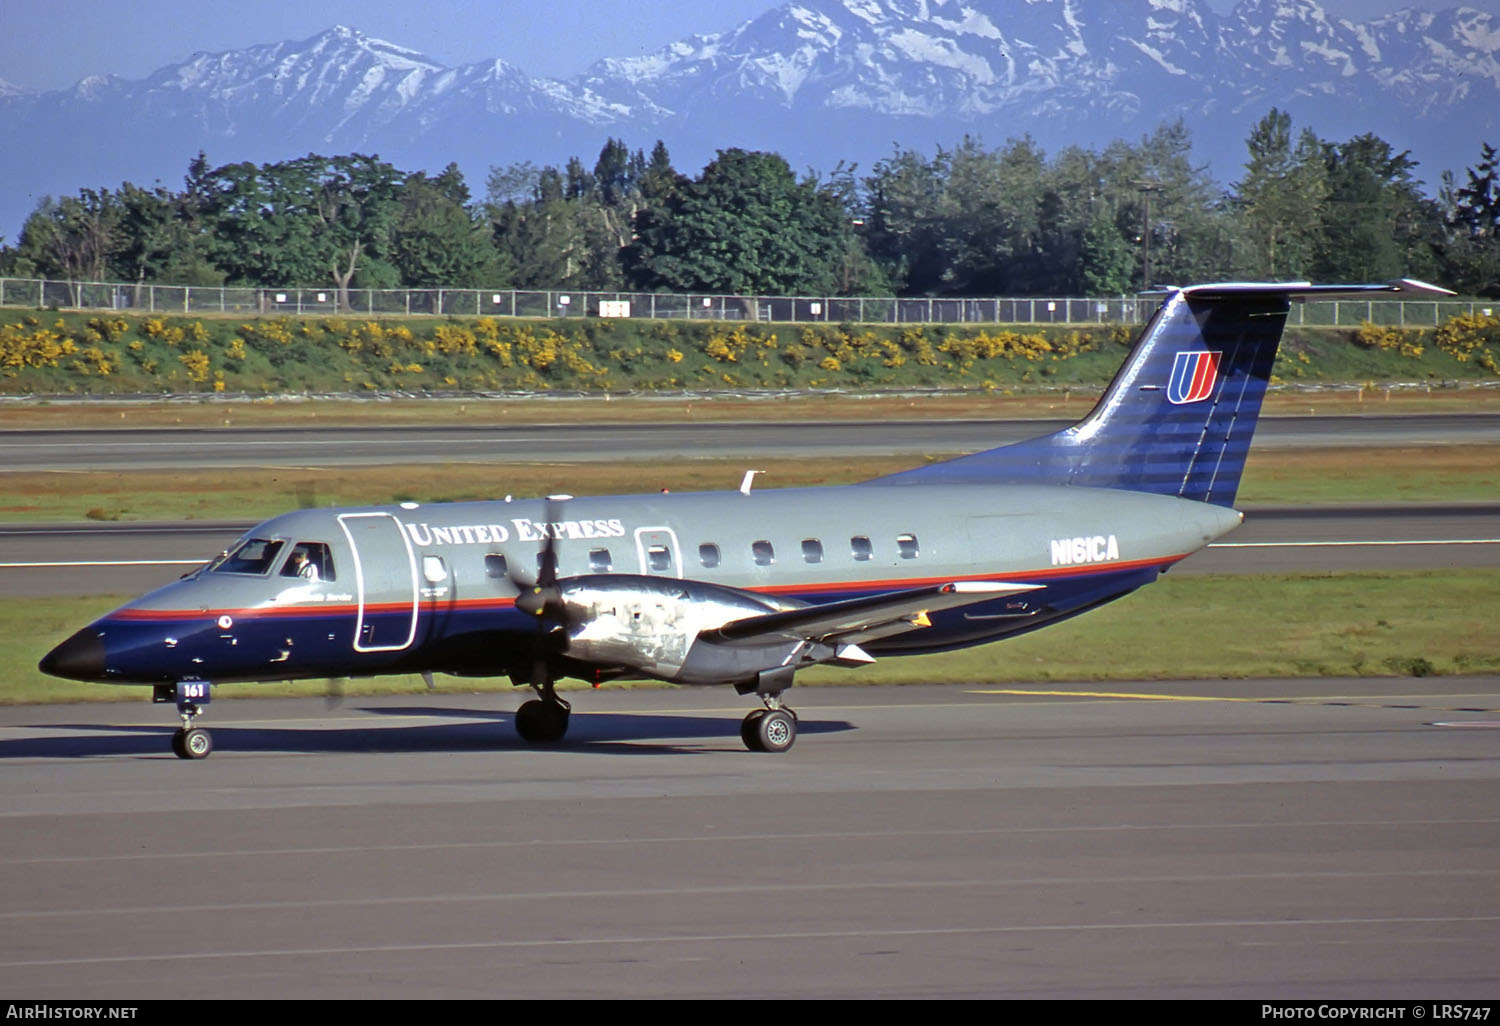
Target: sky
{"type": "Point", "coordinates": [51, 44]}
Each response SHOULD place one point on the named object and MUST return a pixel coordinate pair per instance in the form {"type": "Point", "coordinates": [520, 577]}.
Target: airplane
{"type": "Point", "coordinates": [742, 587]}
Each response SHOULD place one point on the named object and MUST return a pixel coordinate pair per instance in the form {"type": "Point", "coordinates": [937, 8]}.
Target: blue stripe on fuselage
{"type": "Point", "coordinates": [478, 637]}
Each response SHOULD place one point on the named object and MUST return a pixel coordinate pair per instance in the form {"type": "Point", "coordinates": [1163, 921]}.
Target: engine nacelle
{"type": "Point", "coordinates": [651, 625]}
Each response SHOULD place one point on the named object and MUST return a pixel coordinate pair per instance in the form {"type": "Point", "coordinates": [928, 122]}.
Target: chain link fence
{"type": "Point", "coordinates": [239, 301]}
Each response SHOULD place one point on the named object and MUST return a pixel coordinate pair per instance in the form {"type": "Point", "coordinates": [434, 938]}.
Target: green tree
{"type": "Point", "coordinates": [902, 228]}
{"type": "Point", "coordinates": [1471, 213]}
{"type": "Point", "coordinates": [543, 236]}
{"type": "Point", "coordinates": [436, 241]}
{"type": "Point", "coordinates": [353, 203]}
{"type": "Point", "coordinates": [1376, 223]}
{"type": "Point", "coordinates": [568, 228]}
{"type": "Point", "coordinates": [259, 233]}
{"type": "Point", "coordinates": [746, 225]}
{"type": "Point", "coordinates": [303, 222]}
{"type": "Point", "coordinates": [159, 241]}
{"type": "Point", "coordinates": [1281, 196]}
{"type": "Point", "coordinates": [1187, 224]}
{"type": "Point", "coordinates": [73, 237]}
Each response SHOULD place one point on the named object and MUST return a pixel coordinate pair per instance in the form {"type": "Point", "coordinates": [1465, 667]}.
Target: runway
{"type": "Point", "coordinates": [1258, 840]}
{"type": "Point", "coordinates": [1308, 839]}
{"type": "Point", "coordinates": [132, 558]}
{"type": "Point", "coordinates": [184, 448]}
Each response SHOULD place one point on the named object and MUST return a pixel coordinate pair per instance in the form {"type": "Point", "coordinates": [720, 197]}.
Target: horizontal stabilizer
{"type": "Point", "coordinates": [1400, 288]}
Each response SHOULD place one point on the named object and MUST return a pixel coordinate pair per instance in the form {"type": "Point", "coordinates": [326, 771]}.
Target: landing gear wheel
{"type": "Point", "coordinates": [750, 729]}
{"type": "Point", "coordinates": [542, 722]}
{"type": "Point", "coordinates": [193, 743]}
{"type": "Point", "coordinates": [776, 731]}
{"type": "Point", "coordinates": [769, 730]}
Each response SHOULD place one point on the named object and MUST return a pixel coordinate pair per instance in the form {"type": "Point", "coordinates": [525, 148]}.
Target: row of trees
{"type": "Point", "coordinates": [964, 221]}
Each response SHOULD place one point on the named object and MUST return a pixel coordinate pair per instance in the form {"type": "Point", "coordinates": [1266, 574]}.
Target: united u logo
{"type": "Point", "coordinates": [1193, 376]}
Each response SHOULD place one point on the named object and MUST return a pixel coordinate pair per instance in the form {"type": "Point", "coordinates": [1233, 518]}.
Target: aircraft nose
{"type": "Point", "coordinates": [81, 657]}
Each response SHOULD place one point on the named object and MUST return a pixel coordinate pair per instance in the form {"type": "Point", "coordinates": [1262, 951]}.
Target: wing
{"type": "Point", "coordinates": [862, 619]}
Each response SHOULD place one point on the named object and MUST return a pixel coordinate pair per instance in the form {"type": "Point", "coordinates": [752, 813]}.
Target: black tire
{"type": "Point", "coordinates": [541, 723]}
{"type": "Point", "coordinates": [177, 748]}
{"type": "Point", "coordinates": [197, 743]}
{"type": "Point", "coordinates": [776, 731]}
{"type": "Point", "coordinates": [750, 730]}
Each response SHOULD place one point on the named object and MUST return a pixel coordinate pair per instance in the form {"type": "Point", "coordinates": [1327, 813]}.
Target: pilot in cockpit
{"type": "Point", "coordinates": [300, 566]}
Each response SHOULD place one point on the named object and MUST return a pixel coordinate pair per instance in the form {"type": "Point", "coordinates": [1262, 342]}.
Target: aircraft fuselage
{"type": "Point", "coordinates": [416, 588]}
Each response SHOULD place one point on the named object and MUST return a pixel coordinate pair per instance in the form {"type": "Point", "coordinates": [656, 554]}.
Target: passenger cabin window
{"type": "Point", "coordinates": [764, 553]}
{"type": "Point", "coordinates": [708, 554]}
{"type": "Point", "coordinates": [310, 561]}
{"type": "Point", "coordinates": [494, 566]}
{"type": "Point", "coordinates": [659, 558]}
{"type": "Point", "coordinates": [860, 548]}
{"type": "Point", "coordinates": [434, 569]}
{"type": "Point", "coordinates": [907, 544]}
{"type": "Point", "coordinates": [600, 561]}
{"type": "Point", "coordinates": [255, 556]}
{"type": "Point", "coordinates": [812, 550]}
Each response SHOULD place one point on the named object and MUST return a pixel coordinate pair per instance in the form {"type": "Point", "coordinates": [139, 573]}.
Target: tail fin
{"type": "Point", "coordinates": [1178, 417]}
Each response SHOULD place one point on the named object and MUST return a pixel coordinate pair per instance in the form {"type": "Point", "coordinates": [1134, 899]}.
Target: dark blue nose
{"type": "Point", "coordinates": [81, 657]}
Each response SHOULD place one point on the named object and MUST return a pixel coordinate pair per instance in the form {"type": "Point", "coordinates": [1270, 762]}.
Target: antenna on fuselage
{"type": "Point", "coordinates": [748, 480]}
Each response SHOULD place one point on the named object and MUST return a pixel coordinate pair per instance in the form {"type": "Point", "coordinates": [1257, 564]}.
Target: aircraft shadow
{"type": "Point", "coordinates": [588, 733]}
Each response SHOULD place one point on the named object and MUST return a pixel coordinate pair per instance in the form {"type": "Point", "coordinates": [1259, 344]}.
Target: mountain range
{"type": "Point", "coordinates": [818, 81]}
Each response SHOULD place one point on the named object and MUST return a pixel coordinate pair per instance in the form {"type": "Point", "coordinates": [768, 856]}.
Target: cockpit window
{"type": "Point", "coordinates": [254, 556]}
{"type": "Point", "coordinates": [310, 561]}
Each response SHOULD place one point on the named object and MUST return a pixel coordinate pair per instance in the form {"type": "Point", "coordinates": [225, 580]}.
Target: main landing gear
{"type": "Point", "coordinates": [544, 719]}
{"type": "Point", "coordinates": [772, 729]}
{"type": "Point", "coordinates": [188, 741]}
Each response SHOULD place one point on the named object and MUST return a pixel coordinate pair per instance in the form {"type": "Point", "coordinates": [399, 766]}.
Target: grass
{"type": "Point", "coordinates": [1434, 473]}
{"type": "Point", "coordinates": [1418, 473]}
{"type": "Point", "coordinates": [1059, 403]}
{"type": "Point", "coordinates": [1412, 623]}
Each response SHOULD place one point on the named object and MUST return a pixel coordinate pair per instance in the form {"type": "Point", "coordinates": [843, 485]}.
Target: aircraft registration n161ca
{"type": "Point", "coordinates": [743, 587]}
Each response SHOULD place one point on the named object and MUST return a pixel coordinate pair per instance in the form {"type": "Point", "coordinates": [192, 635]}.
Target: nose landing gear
{"type": "Point", "coordinates": [188, 741]}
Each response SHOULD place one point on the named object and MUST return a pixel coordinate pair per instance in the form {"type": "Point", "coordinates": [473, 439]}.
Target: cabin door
{"type": "Point", "coordinates": [385, 576]}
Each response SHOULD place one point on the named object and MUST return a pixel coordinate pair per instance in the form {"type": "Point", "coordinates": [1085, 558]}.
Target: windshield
{"type": "Point", "coordinates": [254, 556]}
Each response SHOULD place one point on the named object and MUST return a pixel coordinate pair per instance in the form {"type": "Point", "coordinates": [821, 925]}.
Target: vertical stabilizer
{"type": "Point", "coordinates": [1178, 417]}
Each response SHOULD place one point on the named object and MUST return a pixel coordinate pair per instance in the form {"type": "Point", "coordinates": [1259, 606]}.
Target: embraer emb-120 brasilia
{"type": "Point", "coordinates": [741, 587]}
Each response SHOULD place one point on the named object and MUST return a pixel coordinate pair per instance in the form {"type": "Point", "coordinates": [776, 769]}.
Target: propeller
{"type": "Point", "coordinates": [543, 599]}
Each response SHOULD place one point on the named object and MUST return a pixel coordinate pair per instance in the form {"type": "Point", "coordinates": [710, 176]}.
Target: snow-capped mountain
{"type": "Point", "coordinates": [816, 80]}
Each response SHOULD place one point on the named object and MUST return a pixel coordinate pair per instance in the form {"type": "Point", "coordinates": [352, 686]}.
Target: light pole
{"type": "Point", "coordinates": [1147, 188]}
